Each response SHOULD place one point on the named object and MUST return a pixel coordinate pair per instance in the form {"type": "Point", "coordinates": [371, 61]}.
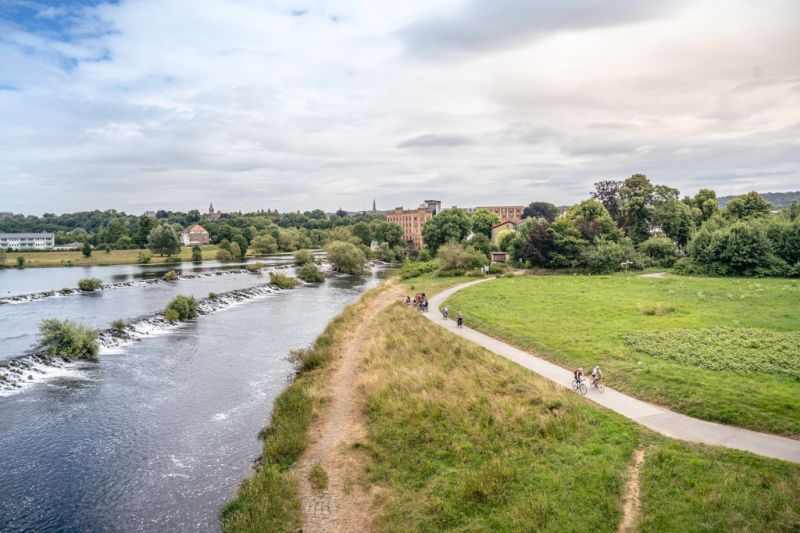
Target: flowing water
{"type": "Point", "coordinates": [158, 435]}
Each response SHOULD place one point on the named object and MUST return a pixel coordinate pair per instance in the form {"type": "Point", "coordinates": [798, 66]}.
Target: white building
{"type": "Point", "coordinates": [27, 241]}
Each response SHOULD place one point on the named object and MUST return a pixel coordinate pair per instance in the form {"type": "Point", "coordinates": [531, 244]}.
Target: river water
{"type": "Point", "coordinates": [158, 435]}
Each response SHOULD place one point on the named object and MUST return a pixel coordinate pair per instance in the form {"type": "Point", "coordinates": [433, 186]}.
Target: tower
{"type": "Point", "coordinates": [373, 205]}
{"type": "Point", "coordinates": [211, 209]}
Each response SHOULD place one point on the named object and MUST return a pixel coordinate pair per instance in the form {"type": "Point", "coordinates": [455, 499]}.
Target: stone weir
{"type": "Point", "coordinates": [24, 371]}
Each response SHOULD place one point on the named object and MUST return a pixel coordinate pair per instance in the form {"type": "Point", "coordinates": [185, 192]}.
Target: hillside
{"type": "Point", "coordinates": [779, 200]}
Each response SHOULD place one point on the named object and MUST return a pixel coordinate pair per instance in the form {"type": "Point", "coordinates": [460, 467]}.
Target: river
{"type": "Point", "coordinates": [158, 435]}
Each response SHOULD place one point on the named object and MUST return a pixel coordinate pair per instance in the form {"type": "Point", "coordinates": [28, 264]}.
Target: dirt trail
{"type": "Point", "coordinates": [343, 505]}
{"type": "Point", "coordinates": [631, 504]}
{"type": "Point", "coordinates": [654, 275]}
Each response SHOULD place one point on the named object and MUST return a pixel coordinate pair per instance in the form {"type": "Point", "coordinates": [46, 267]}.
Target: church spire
{"type": "Point", "coordinates": [373, 205]}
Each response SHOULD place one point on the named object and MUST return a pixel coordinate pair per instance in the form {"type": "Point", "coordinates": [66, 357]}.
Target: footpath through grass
{"type": "Point", "coordinates": [462, 440]}
{"type": "Point", "coordinates": [680, 342]}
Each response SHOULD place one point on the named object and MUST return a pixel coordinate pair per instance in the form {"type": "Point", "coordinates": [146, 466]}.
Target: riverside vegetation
{"type": "Point", "coordinates": [728, 351]}
{"type": "Point", "coordinates": [458, 439]}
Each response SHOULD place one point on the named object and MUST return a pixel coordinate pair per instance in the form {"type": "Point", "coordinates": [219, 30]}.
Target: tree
{"type": "Point", "coordinates": [363, 232]}
{"type": "Point", "coordinates": [163, 241]}
{"type": "Point", "coordinates": [264, 244]}
{"type": "Point", "coordinates": [675, 219]}
{"type": "Point", "coordinates": [661, 250]}
{"type": "Point", "coordinates": [637, 198]}
{"type": "Point", "coordinates": [544, 210]}
{"type": "Point", "coordinates": [662, 194]}
{"type": "Point", "coordinates": [146, 225]}
{"type": "Point", "coordinates": [482, 222]}
{"type": "Point", "coordinates": [568, 244]}
{"type": "Point", "coordinates": [481, 242]}
{"type": "Point", "coordinates": [533, 242]}
{"type": "Point", "coordinates": [450, 225]}
{"type": "Point", "coordinates": [607, 256]}
{"type": "Point", "coordinates": [346, 257]}
{"type": "Point", "coordinates": [607, 193]}
{"type": "Point", "coordinates": [115, 230]}
{"type": "Point", "coordinates": [20, 261]}
{"type": "Point", "coordinates": [388, 232]}
{"type": "Point", "coordinates": [592, 220]}
{"type": "Point", "coordinates": [235, 250]}
{"type": "Point", "coordinates": [86, 250]}
{"type": "Point", "coordinates": [197, 254]}
{"type": "Point", "coordinates": [748, 205]}
{"type": "Point", "coordinates": [453, 256]}
{"type": "Point", "coordinates": [706, 201]}
{"type": "Point", "coordinates": [224, 255]}
{"type": "Point", "coordinates": [243, 245]}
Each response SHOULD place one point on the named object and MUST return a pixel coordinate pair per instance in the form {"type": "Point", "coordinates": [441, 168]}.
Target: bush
{"type": "Point", "coordinates": [264, 244]}
{"type": "Point", "coordinates": [185, 307]}
{"type": "Point", "coordinates": [282, 280]}
{"type": "Point", "coordinates": [144, 257]}
{"type": "Point", "coordinates": [236, 250]}
{"type": "Point", "coordinates": [170, 276]}
{"type": "Point", "coordinates": [497, 268]}
{"type": "Point", "coordinates": [303, 257]}
{"type": "Point", "coordinates": [68, 340]}
{"type": "Point", "coordinates": [310, 273]}
{"type": "Point", "coordinates": [197, 254]}
{"type": "Point", "coordinates": [86, 250]}
{"type": "Point", "coordinates": [118, 325]}
{"type": "Point", "coordinates": [414, 269]}
{"type": "Point", "coordinates": [171, 315]}
{"type": "Point", "coordinates": [212, 295]}
{"type": "Point", "coordinates": [655, 310]}
{"type": "Point", "coordinates": [607, 256]}
{"type": "Point", "coordinates": [661, 251]}
{"type": "Point", "coordinates": [20, 261]}
{"type": "Point", "coordinates": [307, 359]}
{"type": "Point", "coordinates": [453, 256]}
{"type": "Point", "coordinates": [318, 477]}
{"type": "Point", "coordinates": [224, 255]}
{"type": "Point", "coordinates": [254, 267]}
{"type": "Point", "coordinates": [346, 257]}
{"type": "Point", "coordinates": [89, 284]}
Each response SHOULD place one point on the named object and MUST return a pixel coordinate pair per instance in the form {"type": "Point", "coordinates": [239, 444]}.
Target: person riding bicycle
{"type": "Point", "coordinates": [597, 375]}
{"type": "Point", "coordinates": [445, 313]}
{"type": "Point", "coordinates": [460, 319]}
{"type": "Point", "coordinates": [578, 373]}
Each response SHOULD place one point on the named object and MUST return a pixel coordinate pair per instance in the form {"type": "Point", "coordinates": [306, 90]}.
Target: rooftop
{"type": "Point", "coordinates": [27, 235]}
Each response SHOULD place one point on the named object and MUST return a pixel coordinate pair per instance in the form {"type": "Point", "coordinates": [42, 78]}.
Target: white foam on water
{"type": "Point", "coordinates": [30, 371]}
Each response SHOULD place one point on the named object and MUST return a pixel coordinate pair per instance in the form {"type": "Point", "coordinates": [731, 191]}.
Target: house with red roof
{"type": "Point", "coordinates": [195, 236]}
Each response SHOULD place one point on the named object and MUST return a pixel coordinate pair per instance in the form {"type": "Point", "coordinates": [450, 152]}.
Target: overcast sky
{"type": "Point", "coordinates": [173, 104]}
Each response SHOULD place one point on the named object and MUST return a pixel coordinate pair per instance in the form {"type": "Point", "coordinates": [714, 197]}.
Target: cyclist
{"type": "Point", "coordinates": [445, 313]}
{"type": "Point", "coordinates": [597, 375]}
{"type": "Point", "coordinates": [460, 319]}
{"type": "Point", "coordinates": [578, 373]}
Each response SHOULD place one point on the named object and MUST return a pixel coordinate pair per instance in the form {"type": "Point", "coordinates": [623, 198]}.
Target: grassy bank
{"type": "Point", "coordinates": [678, 341]}
{"type": "Point", "coordinates": [100, 257]}
{"type": "Point", "coordinates": [268, 501]}
{"type": "Point", "coordinates": [462, 440]}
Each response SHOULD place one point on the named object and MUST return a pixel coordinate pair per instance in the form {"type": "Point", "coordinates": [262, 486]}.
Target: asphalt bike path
{"type": "Point", "coordinates": [664, 421]}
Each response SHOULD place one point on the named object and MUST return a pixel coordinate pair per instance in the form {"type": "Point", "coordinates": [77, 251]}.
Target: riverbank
{"type": "Point", "coordinates": [102, 258]}
{"type": "Point", "coordinates": [456, 438]}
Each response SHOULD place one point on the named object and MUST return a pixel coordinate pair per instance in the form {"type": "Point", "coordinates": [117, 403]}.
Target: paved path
{"type": "Point", "coordinates": [657, 418]}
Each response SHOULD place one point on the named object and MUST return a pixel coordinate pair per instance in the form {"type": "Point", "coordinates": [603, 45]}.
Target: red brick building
{"type": "Point", "coordinates": [412, 221]}
{"type": "Point", "coordinates": [506, 213]}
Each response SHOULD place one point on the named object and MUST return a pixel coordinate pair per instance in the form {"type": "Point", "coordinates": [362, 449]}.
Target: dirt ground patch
{"type": "Point", "coordinates": [631, 503]}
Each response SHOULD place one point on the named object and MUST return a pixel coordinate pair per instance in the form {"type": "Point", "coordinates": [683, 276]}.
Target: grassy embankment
{"type": "Point", "coordinates": [268, 501]}
{"type": "Point", "coordinates": [463, 440]}
{"type": "Point", "coordinates": [101, 257]}
{"type": "Point", "coordinates": [680, 342]}
{"type": "Point", "coordinates": [459, 439]}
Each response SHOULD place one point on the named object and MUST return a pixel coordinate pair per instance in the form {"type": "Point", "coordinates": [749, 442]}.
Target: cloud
{"type": "Point", "coordinates": [479, 26]}
{"type": "Point", "coordinates": [432, 140]}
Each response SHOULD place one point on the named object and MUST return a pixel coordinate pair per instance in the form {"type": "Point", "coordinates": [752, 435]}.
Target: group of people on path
{"type": "Point", "coordinates": [459, 316]}
{"type": "Point", "coordinates": [419, 301]}
{"type": "Point", "coordinates": [597, 375]}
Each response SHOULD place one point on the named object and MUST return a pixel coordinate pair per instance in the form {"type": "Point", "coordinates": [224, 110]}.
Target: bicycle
{"type": "Point", "coordinates": [579, 386]}
{"type": "Point", "coordinates": [597, 385]}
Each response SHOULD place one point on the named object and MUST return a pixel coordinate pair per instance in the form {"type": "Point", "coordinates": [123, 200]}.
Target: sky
{"type": "Point", "coordinates": [293, 105]}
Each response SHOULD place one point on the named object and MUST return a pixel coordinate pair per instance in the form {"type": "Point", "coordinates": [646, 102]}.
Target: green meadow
{"type": "Point", "coordinates": [720, 349]}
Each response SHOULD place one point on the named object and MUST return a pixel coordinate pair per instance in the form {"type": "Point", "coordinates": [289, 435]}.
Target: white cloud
{"type": "Point", "coordinates": [172, 104]}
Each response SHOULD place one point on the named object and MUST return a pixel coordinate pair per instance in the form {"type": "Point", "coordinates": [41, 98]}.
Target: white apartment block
{"type": "Point", "coordinates": [27, 241]}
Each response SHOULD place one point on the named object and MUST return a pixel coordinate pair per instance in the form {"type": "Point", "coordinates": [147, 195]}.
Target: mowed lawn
{"type": "Point", "coordinates": [678, 341]}
{"type": "Point", "coordinates": [101, 257]}
{"type": "Point", "coordinates": [459, 439]}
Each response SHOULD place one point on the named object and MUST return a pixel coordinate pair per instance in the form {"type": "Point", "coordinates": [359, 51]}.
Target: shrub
{"type": "Point", "coordinates": [224, 255]}
{"type": "Point", "coordinates": [107, 248]}
{"type": "Point", "coordinates": [607, 256]}
{"type": "Point", "coordinates": [197, 254]}
{"type": "Point", "coordinates": [66, 339]}
{"type": "Point", "coordinates": [184, 306]}
{"type": "Point", "coordinates": [212, 295]}
{"type": "Point", "coordinates": [86, 250]}
{"type": "Point", "coordinates": [282, 280]}
{"type": "Point", "coordinates": [171, 315]}
{"type": "Point", "coordinates": [144, 257]}
{"type": "Point", "coordinates": [118, 325]}
{"type": "Point", "coordinates": [303, 257]}
{"type": "Point", "coordinates": [89, 284]}
{"type": "Point", "coordinates": [662, 251]}
{"type": "Point", "coordinates": [310, 273]}
{"type": "Point", "coordinates": [655, 310]}
{"type": "Point", "coordinates": [346, 257]}
{"type": "Point", "coordinates": [236, 250]}
{"type": "Point", "coordinates": [254, 267]}
{"type": "Point", "coordinates": [318, 477]}
{"type": "Point", "coordinates": [170, 276]}
{"type": "Point", "coordinates": [264, 244]}
{"type": "Point", "coordinates": [307, 359]}
{"type": "Point", "coordinates": [453, 256]}
{"type": "Point", "coordinates": [20, 261]}
{"type": "Point", "coordinates": [414, 269]}
{"type": "Point", "coordinates": [497, 268]}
